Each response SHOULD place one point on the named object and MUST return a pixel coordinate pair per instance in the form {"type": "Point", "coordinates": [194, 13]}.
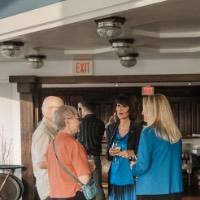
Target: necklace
{"type": "Point", "coordinates": [123, 129]}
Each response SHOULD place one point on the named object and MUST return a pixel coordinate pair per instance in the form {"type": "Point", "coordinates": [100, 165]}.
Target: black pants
{"type": "Point", "coordinates": [79, 196]}
{"type": "Point", "coordinates": [174, 196]}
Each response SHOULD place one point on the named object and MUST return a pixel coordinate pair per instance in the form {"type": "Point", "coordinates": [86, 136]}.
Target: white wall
{"type": "Point", "coordinates": [103, 67]}
{"type": "Point", "coordinates": [9, 124]}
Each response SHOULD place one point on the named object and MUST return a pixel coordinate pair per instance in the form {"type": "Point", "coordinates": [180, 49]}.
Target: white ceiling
{"type": "Point", "coordinates": [168, 29]}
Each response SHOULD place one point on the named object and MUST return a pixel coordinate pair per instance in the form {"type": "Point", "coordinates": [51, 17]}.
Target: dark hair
{"type": "Point", "coordinates": [131, 102]}
{"type": "Point", "coordinates": [89, 104]}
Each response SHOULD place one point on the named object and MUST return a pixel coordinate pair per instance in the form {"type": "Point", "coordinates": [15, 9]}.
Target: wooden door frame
{"type": "Point", "coordinates": [29, 88]}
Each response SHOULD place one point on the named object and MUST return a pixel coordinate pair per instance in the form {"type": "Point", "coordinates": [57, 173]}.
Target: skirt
{"type": "Point", "coordinates": [126, 192]}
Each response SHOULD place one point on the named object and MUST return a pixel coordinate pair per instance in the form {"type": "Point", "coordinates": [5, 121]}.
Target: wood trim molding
{"type": "Point", "coordinates": [107, 79]}
{"type": "Point", "coordinates": [22, 79]}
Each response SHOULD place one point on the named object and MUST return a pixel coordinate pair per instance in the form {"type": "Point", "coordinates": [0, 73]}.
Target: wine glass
{"type": "Point", "coordinates": [116, 147]}
{"type": "Point", "coordinates": [91, 162]}
{"type": "Point", "coordinates": [132, 160]}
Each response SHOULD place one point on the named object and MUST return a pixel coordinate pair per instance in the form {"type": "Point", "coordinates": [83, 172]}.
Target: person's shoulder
{"type": "Point", "coordinates": [66, 139]}
{"type": "Point", "coordinates": [112, 125]}
{"type": "Point", "coordinates": [40, 136]}
{"type": "Point", "coordinates": [149, 131]}
{"type": "Point", "coordinates": [39, 130]}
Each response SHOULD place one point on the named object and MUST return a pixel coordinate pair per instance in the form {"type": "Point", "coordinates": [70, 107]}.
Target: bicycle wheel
{"type": "Point", "coordinates": [11, 189]}
{"type": "Point", "coordinates": [20, 185]}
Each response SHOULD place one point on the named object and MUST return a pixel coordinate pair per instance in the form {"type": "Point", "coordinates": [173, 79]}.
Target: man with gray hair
{"type": "Point", "coordinates": [41, 138]}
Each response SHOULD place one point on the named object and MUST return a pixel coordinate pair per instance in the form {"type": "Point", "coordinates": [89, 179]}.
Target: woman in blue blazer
{"type": "Point", "coordinates": [159, 166]}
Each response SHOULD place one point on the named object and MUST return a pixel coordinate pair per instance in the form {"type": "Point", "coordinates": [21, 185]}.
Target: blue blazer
{"type": "Point", "coordinates": [159, 165]}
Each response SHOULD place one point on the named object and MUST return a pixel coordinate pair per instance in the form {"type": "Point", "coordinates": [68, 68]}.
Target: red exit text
{"type": "Point", "coordinates": [83, 68]}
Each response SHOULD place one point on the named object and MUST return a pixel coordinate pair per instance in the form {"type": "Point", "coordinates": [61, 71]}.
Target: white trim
{"type": "Point", "coordinates": [64, 13]}
{"type": "Point", "coordinates": [98, 85]}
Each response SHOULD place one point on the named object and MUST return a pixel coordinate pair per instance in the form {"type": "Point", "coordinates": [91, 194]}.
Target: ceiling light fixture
{"type": "Point", "coordinates": [110, 27]}
{"type": "Point", "coordinates": [129, 60]}
{"type": "Point", "coordinates": [11, 49]}
{"type": "Point", "coordinates": [122, 46]}
{"type": "Point", "coordinates": [36, 61]}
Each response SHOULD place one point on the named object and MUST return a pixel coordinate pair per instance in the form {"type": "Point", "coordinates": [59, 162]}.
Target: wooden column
{"type": "Point", "coordinates": [26, 88]}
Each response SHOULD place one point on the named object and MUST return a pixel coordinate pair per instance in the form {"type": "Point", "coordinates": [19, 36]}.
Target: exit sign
{"type": "Point", "coordinates": [83, 67]}
{"type": "Point", "coordinates": [147, 90]}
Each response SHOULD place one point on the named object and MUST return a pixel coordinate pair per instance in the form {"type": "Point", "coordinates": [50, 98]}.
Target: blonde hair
{"type": "Point", "coordinates": [157, 112]}
{"type": "Point", "coordinates": [62, 113]}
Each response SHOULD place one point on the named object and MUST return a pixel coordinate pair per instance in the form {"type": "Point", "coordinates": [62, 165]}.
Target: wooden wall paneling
{"type": "Point", "coordinates": [194, 116]}
{"type": "Point", "coordinates": [197, 124]}
{"type": "Point", "coordinates": [182, 118]}
{"type": "Point", "coordinates": [188, 118]}
{"type": "Point", "coordinates": [109, 111]}
{"type": "Point", "coordinates": [98, 110]}
{"type": "Point", "coordinates": [103, 117]}
{"type": "Point", "coordinates": [74, 99]}
{"type": "Point", "coordinates": [37, 105]}
{"type": "Point", "coordinates": [175, 110]}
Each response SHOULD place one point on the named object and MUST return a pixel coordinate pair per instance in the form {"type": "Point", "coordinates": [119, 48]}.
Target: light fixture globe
{"type": "Point", "coordinates": [110, 27]}
{"type": "Point", "coordinates": [35, 61]}
{"type": "Point", "coordinates": [122, 46]}
{"type": "Point", "coordinates": [129, 60]}
{"type": "Point", "coordinates": [11, 49]}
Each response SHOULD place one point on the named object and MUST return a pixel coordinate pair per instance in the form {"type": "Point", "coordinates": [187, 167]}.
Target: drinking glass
{"type": "Point", "coordinates": [91, 162]}
{"type": "Point", "coordinates": [116, 146]}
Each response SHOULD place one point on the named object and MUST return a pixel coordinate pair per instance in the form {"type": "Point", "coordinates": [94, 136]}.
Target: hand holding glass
{"type": "Point", "coordinates": [133, 161]}
{"type": "Point", "coordinates": [91, 162]}
{"type": "Point", "coordinates": [115, 149]}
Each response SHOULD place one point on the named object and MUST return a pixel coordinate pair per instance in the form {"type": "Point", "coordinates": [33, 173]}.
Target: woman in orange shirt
{"type": "Point", "coordinates": [71, 154]}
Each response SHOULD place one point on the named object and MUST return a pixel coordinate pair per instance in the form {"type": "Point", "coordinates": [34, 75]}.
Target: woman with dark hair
{"type": "Point", "coordinates": [122, 141]}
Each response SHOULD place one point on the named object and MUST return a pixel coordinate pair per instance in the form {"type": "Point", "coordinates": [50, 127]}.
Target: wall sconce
{"type": "Point", "coordinates": [11, 49]}
{"type": "Point", "coordinates": [129, 60]}
{"type": "Point", "coordinates": [122, 46]}
{"type": "Point", "coordinates": [35, 61]}
{"type": "Point", "coordinates": [110, 27]}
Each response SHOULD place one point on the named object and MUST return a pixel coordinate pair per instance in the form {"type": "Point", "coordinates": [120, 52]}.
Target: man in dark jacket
{"type": "Point", "coordinates": [90, 136]}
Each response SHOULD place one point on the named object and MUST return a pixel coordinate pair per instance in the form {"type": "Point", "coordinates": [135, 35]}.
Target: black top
{"type": "Point", "coordinates": [133, 137]}
{"type": "Point", "coordinates": [91, 134]}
